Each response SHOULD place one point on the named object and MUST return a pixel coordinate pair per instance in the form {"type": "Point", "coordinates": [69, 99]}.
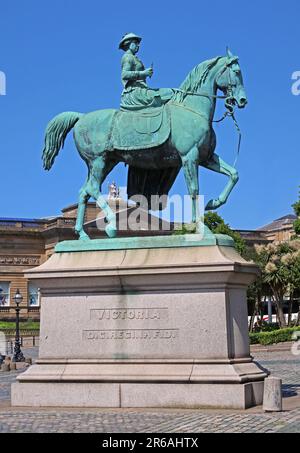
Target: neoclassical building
{"type": "Point", "coordinates": [27, 243]}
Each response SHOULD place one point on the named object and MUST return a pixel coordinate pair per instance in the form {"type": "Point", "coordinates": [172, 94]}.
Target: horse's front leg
{"type": "Point", "coordinates": [218, 165]}
{"type": "Point", "coordinates": [190, 169]}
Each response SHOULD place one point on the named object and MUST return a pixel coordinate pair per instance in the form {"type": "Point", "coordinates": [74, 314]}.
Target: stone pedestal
{"type": "Point", "coordinates": [144, 325]}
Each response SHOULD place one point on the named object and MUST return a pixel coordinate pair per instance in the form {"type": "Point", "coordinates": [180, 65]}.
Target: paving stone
{"type": "Point", "coordinates": [281, 364]}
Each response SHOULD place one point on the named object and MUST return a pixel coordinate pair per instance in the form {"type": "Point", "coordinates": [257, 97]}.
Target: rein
{"type": "Point", "coordinates": [230, 114]}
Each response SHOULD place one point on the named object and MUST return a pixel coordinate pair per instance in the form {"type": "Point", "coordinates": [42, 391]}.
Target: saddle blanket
{"type": "Point", "coordinates": [136, 130]}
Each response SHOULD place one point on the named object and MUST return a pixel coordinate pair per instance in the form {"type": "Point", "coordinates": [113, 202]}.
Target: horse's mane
{"type": "Point", "coordinates": [196, 78]}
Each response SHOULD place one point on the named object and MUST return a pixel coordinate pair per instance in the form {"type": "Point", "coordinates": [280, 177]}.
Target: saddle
{"type": "Point", "coordinates": [141, 130]}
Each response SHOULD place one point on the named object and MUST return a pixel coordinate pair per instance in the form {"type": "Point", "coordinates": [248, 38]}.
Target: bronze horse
{"type": "Point", "coordinates": [191, 143]}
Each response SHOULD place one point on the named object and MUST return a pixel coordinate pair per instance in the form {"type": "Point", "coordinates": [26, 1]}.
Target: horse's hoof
{"type": "Point", "coordinates": [85, 238]}
{"type": "Point", "coordinates": [111, 231]}
{"type": "Point", "coordinates": [193, 227]}
{"type": "Point", "coordinates": [211, 205]}
{"type": "Point", "coordinates": [82, 236]}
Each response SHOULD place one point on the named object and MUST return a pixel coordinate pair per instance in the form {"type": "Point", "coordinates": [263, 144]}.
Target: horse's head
{"type": "Point", "coordinates": [230, 81]}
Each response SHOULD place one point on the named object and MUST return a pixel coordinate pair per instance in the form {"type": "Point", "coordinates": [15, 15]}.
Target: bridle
{"type": "Point", "coordinates": [229, 105]}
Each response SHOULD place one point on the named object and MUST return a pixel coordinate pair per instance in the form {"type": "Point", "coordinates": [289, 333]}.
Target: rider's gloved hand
{"type": "Point", "coordinates": [148, 72]}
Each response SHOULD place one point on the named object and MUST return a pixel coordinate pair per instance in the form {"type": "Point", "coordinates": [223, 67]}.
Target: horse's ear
{"type": "Point", "coordinates": [229, 53]}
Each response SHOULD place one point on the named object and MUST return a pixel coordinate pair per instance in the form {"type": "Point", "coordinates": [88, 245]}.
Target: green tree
{"type": "Point", "coordinates": [218, 226]}
{"type": "Point", "coordinates": [280, 266]}
{"type": "Point", "coordinates": [254, 300]}
{"type": "Point", "coordinates": [296, 207]}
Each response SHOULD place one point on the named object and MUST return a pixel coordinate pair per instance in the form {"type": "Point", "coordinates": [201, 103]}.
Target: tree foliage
{"type": "Point", "coordinates": [218, 226]}
{"type": "Point", "coordinates": [280, 266]}
{"type": "Point", "coordinates": [296, 207]}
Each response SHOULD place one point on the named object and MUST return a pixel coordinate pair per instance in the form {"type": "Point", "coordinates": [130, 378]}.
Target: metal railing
{"type": "Point", "coordinates": [22, 223]}
{"type": "Point", "coordinates": [8, 309]}
{"type": "Point", "coordinates": [33, 309]}
{"type": "Point", "coordinates": [25, 342]}
{"type": "Point", "coordinates": [11, 333]}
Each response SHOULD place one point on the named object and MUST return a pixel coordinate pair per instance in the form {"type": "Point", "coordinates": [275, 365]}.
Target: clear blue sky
{"type": "Point", "coordinates": [62, 55]}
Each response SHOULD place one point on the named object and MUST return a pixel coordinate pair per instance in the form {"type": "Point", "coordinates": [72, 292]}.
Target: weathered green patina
{"type": "Point", "coordinates": [136, 94]}
{"type": "Point", "coordinates": [132, 131]}
{"type": "Point", "coordinates": [191, 142]}
{"type": "Point", "coordinates": [150, 242]}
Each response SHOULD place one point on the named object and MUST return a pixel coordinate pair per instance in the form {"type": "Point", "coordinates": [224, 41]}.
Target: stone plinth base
{"type": "Point", "coordinates": [143, 327]}
{"type": "Point", "coordinates": [116, 395]}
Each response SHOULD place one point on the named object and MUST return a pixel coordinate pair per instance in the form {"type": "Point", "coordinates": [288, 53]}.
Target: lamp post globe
{"type": "Point", "coordinates": [18, 298]}
{"type": "Point", "coordinates": [18, 355]}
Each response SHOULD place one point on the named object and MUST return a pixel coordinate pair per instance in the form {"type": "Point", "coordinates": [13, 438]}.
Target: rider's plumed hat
{"type": "Point", "coordinates": [127, 38]}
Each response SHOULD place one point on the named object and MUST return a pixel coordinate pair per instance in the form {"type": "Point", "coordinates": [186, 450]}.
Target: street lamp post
{"type": "Point", "coordinates": [18, 354]}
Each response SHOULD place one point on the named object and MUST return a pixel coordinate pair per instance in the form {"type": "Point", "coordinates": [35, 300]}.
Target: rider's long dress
{"type": "Point", "coordinates": [136, 94]}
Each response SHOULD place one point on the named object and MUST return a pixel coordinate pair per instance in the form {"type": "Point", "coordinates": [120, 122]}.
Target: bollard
{"type": "Point", "coordinates": [5, 367]}
{"type": "Point", "coordinates": [272, 395]}
{"type": "Point", "coordinates": [3, 346]}
{"type": "Point", "coordinates": [7, 360]}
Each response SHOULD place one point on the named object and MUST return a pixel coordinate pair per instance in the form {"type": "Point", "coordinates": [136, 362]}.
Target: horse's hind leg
{"type": "Point", "coordinates": [97, 173]}
{"type": "Point", "coordinates": [99, 169]}
{"type": "Point", "coordinates": [83, 199]}
{"type": "Point", "coordinates": [218, 165]}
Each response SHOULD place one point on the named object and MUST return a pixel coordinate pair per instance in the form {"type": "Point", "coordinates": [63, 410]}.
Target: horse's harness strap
{"type": "Point", "coordinates": [183, 106]}
{"type": "Point", "coordinates": [193, 93]}
{"type": "Point", "coordinates": [109, 142]}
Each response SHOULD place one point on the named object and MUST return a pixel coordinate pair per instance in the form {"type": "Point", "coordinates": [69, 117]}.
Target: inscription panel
{"type": "Point", "coordinates": [131, 334]}
{"type": "Point", "coordinates": [133, 326]}
{"type": "Point", "coordinates": [128, 314]}
{"type": "Point", "coordinates": [128, 317]}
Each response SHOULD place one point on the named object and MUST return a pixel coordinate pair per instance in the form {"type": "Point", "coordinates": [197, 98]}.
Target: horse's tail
{"type": "Point", "coordinates": [56, 133]}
